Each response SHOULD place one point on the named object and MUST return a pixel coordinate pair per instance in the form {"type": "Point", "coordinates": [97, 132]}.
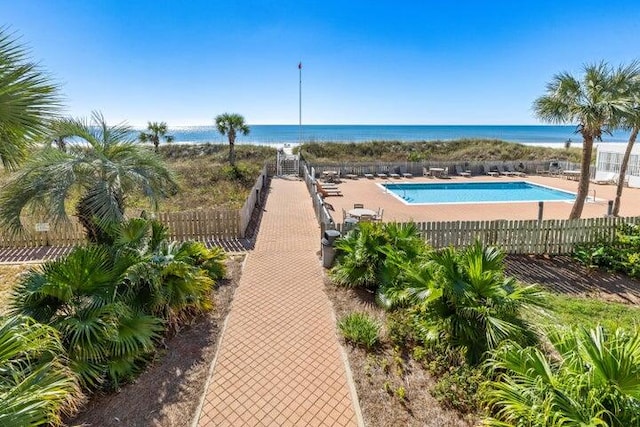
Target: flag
{"type": "Point", "coordinates": [299, 65]}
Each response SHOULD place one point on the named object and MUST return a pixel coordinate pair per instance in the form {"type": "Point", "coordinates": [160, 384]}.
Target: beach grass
{"type": "Point", "coordinates": [467, 150]}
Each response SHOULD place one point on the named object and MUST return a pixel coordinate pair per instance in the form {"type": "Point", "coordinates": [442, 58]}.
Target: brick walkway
{"type": "Point", "coordinates": [279, 362]}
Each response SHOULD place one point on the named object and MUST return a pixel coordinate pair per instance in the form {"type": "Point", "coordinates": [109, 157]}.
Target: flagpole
{"type": "Point", "coordinates": [300, 103]}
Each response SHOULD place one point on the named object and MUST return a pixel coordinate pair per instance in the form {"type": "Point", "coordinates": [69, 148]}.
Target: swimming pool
{"type": "Point", "coordinates": [475, 192]}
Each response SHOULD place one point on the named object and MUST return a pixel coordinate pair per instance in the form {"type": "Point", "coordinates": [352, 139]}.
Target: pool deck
{"type": "Point", "coordinates": [367, 191]}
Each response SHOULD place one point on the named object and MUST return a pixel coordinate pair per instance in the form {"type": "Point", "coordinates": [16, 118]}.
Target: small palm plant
{"type": "Point", "coordinates": [363, 253]}
{"type": "Point", "coordinates": [84, 297]}
{"type": "Point", "coordinates": [464, 298]}
{"type": "Point", "coordinates": [593, 379]}
{"type": "Point", "coordinates": [36, 386]}
{"type": "Point", "coordinates": [156, 132]}
{"type": "Point", "coordinates": [230, 124]}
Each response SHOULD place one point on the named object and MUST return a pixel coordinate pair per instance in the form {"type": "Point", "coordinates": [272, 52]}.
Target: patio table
{"type": "Point", "coordinates": [358, 212]}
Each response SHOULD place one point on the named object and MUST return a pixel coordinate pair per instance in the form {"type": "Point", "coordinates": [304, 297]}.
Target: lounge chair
{"type": "Point", "coordinates": [514, 172]}
{"type": "Point", "coordinates": [407, 175]}
{"type": "Point", "coordinates": [395, 173]}
{"type": "Point", "coordinates": [368, 175]}
{"type": "Point", "coordinates": [328, 192]}
{"type": "Point", "coordinates": [462, 172]}
{"type": "Point", "coordinates": [381, 175]}
{"type": "Point", "coordinates": [493, 171]}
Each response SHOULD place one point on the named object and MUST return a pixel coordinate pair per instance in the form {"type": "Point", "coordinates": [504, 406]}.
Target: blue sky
{"type": "Point", "coordinates": [365, 62]}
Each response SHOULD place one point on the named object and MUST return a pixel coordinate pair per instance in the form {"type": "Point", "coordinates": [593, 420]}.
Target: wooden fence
{"type": "Point", "coordinates": [199, 224]}
{"type": "Point", "coordinates": [553, 237]}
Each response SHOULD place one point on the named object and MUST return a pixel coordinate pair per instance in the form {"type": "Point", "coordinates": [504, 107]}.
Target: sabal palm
{"type": "Point", "coordinates": [230, 124]}
{"type": "Point", "coordinates": [465, 298]}
{"type": "Point", "coordinates": [363, 252]}
{"type": "Point", "coordinates": [102, 170]}
{"type": "Point", "coordinates": [593, 380]}
{"type": "Point", "coordinates": [36, 386]}
{"type": "Point", "coordinates": [28, 100]}
{"type": "Point", "coordinates": [594, 102]}
{"type": "Point", "coordinates": [156, 133]}
{"type": "Point", "coordinates": [84, 297]}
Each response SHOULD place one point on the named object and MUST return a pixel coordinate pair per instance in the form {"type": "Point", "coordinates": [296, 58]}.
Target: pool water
{"type": "Point", "coordinates": [476, 192]}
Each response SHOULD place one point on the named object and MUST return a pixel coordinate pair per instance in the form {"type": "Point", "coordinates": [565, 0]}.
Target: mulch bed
{"type": "Point", "coordinates": [168, 392]}
{"type": "Point", "coordinates": [562, 274]}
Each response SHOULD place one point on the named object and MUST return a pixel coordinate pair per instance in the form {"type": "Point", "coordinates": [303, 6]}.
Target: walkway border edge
{"type": "Point", "coordinates": [198, 412]}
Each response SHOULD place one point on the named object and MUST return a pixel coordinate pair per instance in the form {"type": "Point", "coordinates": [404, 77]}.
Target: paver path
{"type": "Point", "coordinates": [279, 362]}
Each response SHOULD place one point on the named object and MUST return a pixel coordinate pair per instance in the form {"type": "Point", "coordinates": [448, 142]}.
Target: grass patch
{"type": "Point", "coordinates": [360, 329]}
{"type": "Point", "coordinates": [469, 150]}
{"type": "Point", "coordinates": [587, 312]}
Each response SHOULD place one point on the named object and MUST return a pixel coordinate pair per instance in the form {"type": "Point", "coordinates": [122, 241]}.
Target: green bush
{"type": "Point", "coordinates": [592, 378]}
{"type": "Point", "coordinates": [36, 386]}
{"type": "Point", "coordinates": [459, 389]}
{"type": "Point", "coordinates": [362, 254]}
{"type": "Point", "coordinates": [464, 298]}
{"type": "Point", "coordinates": [622, 254]}
{"type": "Point", "coordinates": [360, 329]}
{"type": "Point", "coordinates": [111, 304]}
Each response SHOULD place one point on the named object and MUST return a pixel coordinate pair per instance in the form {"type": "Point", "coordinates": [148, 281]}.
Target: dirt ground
{"type": "Point", "coordinates": [168, 392]}
{"type": "Point", "coordinates": [380, 376]}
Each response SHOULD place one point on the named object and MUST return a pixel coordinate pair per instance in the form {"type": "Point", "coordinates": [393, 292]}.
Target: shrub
{"type": "Point", "coordinates": [464, 298]}
{"type": "Point", "coordinates": [36, 386]}
{"type": "Point", "coordinates": [360, 329]}
{"type": "Point", "coordinates": [592, 379]}
{"type": "Point", "coordinates": [622, 254]}
{"type": "Point", "coordinates": [459, 389]}
{"type": "Point", "coordinates": [362, 254]}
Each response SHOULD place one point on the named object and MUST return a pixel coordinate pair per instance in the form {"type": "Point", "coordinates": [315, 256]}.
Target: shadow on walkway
{"type": "Point", "coordinates": [564, 275]}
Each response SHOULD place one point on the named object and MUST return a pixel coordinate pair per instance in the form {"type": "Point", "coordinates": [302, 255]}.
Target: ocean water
{"type": "Point", "coordinates": [292, 134]}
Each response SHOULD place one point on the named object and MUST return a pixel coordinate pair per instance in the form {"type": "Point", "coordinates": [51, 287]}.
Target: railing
{"type": "Point", "coordinates": [553, 237]}
{"type": "Point", "coordinates": [322, 214]}
{"type": "Point", "coordinates": [201, 224]}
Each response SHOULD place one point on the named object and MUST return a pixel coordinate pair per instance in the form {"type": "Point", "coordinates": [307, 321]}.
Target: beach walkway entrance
{"type": "Point", "coordinates": [279, 362]}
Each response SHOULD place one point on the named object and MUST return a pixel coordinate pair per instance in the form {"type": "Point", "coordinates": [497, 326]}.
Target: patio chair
{"type": "Point", "coordinates": [345, 215]}
{"type": "Point", "coordinates": [462, 172]}
{"type": "Point", "coordinates": [366, 218]}
{"type": "Point", "coordinates": [445, 173]}
{"type": "Point", "coordinates": [358, 206]}
{"type": "Point", "coordinates": [426, 172]}
{"type": "Point", "coordinates": [378, 216]}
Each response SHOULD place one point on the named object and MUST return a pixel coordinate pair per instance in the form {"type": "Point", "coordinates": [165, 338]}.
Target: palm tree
{"type": "Point", "coordinates": [99, 172]}
{"type": "Point", "coordinates": [36, 386]}
{"type": "Point", "coordinates": [157, 132]}
{"type": "Point", "coordinates": [230, 124]}
{"type": "Point", "coordinates": [594, 103]}
{"type": "Point", "coordinates": [29, 99]}
{"type": "Point", "coordinates": [629, 79]}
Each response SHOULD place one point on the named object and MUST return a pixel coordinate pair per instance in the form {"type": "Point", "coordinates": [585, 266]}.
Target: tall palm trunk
{"type": "Point", "coordinates": [583, 184]}
{"type": "Point", "coordinates": [623, 170]}
{"type": "Point", "coordinates": [88, 218]}
{"type": "Point", "coordinates": [232, 148]}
